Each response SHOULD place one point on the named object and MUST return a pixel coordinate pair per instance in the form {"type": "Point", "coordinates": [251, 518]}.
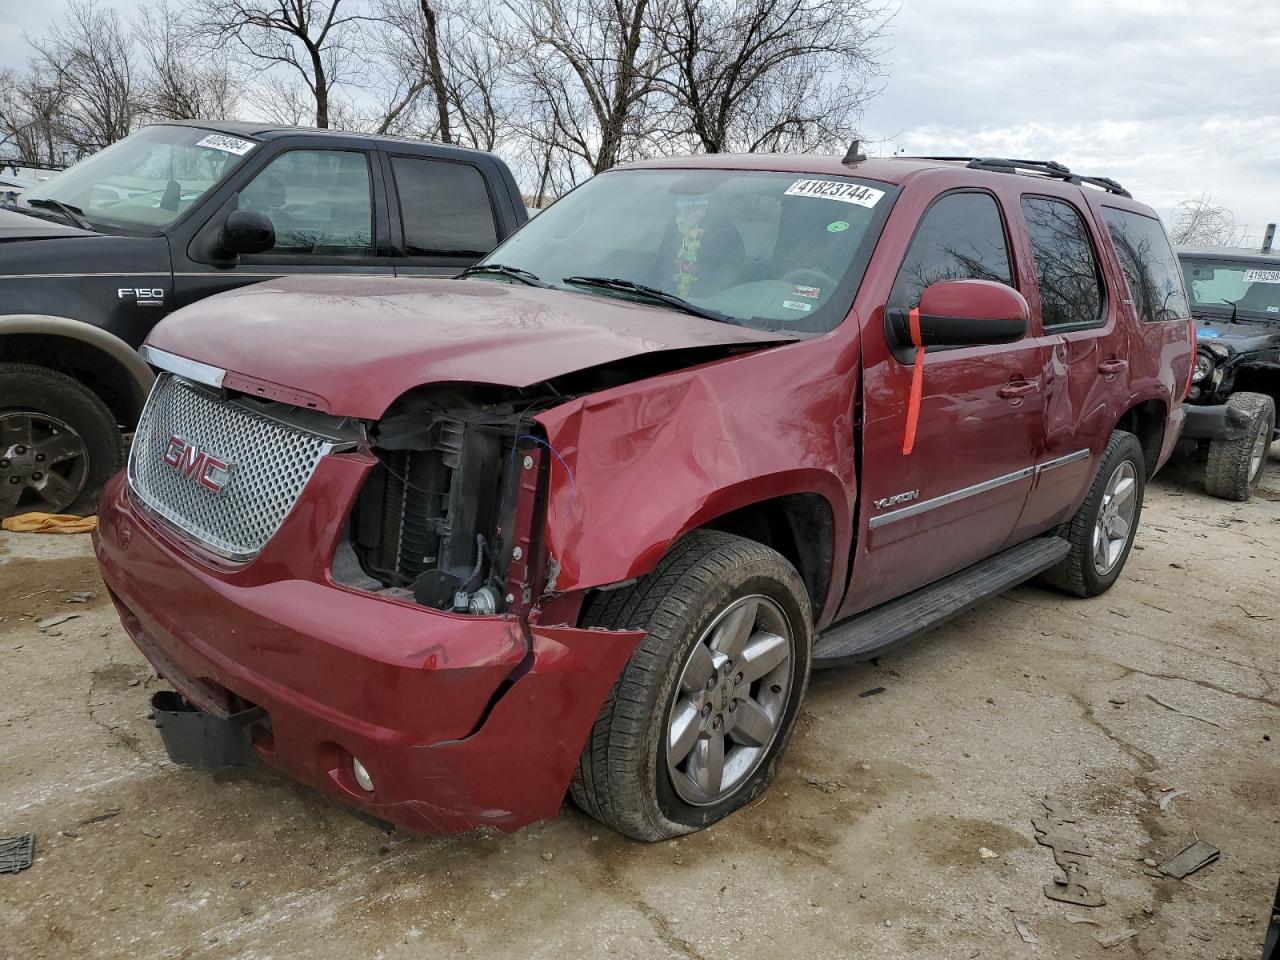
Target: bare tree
{"type": "Point", "coordinates": [31, 108]}
{"type": "Point", "coordinates": [771, 74]}
{"type": "Point", "coordinates": [183, 83]}
{"type": "Point", "coordinates": [410, 44]}
{"type": "Point", "coordinates": [92, 55]}
{"type": "Point", "coordinates": [1201, 222]}
{"type": "Point", "coordinates": [592, 65]}
{"type": "Point", "coordinates": [317, 40]}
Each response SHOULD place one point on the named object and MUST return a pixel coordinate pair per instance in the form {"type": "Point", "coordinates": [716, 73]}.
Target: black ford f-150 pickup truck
{"type": "Point", "coordinates": [93, 257]}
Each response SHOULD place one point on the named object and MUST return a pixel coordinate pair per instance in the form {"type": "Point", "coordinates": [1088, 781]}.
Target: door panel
{"type": "Point", "coordinates": [1084, 358]}
{"type": "Point", "coordinates": [323, 210]}
{"type": "Point", "coordinates": [957, 496]}
{"type": "Point", "coordinates": [969, 472]}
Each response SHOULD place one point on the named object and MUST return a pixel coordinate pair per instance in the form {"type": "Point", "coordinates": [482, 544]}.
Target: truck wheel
{"type": "Point", "coordinates": [701, 714]}
{"type": "Point", "coordinates": [1235, 466]}
{"type": "Point", "coordinates": [58, 442]}
{"type": "Point", "coordinates": [1102, 530]}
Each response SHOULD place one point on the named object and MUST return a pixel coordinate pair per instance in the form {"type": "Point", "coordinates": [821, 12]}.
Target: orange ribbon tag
{"type": "Point", "coordinates": [917, 385]}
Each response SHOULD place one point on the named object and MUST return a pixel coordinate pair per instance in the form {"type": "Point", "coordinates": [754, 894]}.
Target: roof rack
{"type": "Point", "coordinates": [1044, 168]}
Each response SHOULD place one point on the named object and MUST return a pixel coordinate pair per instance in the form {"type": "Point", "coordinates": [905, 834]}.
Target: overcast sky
{"type": "Point", "coordinates": [1173, 98]}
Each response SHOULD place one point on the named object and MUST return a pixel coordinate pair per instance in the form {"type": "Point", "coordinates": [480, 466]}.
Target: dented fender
{"type": "Point", "coordinates": [638, 466]}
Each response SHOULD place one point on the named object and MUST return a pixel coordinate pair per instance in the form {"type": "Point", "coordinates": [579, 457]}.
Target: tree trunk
{"type": "Point", "coordinates": [321, 89]}
{"type": "Point", "coordinates": [437, 74]}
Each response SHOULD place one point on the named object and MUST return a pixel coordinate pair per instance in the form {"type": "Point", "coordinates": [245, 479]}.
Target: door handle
{"type": "Point", "coordinates": [1017, 389]}
{"type": "Point", "coordinates": [1110, 368]}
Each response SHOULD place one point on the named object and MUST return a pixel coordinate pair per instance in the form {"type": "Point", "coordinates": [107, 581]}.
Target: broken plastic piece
{"type": "Point", "coordinates": [1190, 859]}
{"type": "Point", "coordinates": [17, 853]}
{"type": "Point", "coordinates": [1112, 939]}
{"type": "Point", "coordinates": [1025, 933]}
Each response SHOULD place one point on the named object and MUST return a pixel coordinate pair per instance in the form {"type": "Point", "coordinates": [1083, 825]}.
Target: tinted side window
{"type": "Point", "coordinates": [318, 201]}
{"type": "Point", "coordinates": [961, 237]}
{"type": "Point", "coordinates": [1066, 268]}
{"type": "Point", "coordinates": [1155, 282]}
{"type": "Point", "coordinates": [444, 207]}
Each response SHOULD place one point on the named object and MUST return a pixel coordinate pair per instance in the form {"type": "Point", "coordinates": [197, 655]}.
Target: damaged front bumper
{"type": "Point", "coordinates": [461, 722]}
{"type": "Point", "coordinates": [1214, 422]}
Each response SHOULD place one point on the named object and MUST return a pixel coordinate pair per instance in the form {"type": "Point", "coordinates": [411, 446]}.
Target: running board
{"type": "Point", "coordinates": [866, 634]}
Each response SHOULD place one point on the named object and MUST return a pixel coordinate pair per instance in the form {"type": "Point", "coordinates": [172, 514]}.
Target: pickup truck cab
{"type": "Point", "coordinates": [93, 257]}
{"type": "Point", "coordinates": [584, 519]}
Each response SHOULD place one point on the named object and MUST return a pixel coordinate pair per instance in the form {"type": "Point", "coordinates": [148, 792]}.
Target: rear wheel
{"type": "Point", "coordinates": [1235, 467]}
{"type": "Point", "coordinates": [1101, 532]}
{"type": "Point", "coordinates": [695, 726]}
{"type": "Point", "coordinates": [58, 442]}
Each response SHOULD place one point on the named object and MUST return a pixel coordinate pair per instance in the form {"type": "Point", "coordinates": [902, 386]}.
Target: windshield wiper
{"type": "Point", "coordinates": [503, 270]}
{"type": "Point", "coordinates": [1233, 308]}
{"type": "Point", "coordinates": [653, 293]}
{"type": "Point", "coordinates": [74, 214]}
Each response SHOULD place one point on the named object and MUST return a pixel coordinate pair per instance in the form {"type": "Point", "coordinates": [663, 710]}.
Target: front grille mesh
{"type": "Point", "coordinates": [269, 464]}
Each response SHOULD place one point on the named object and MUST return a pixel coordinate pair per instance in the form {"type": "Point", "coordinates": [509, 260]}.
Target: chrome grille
{"type": "Point", "coordinates": [269, 463]}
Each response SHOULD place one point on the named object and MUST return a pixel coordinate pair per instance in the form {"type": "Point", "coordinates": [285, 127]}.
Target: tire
{"type": "Point", "coordinates": [58, 442]}
{"type": "Point", "coordinates": [1079, 572]}
{"type": "Point", "coordinates": [625, 776]}
{"type": "Point", "coordinates": [1235, 467]}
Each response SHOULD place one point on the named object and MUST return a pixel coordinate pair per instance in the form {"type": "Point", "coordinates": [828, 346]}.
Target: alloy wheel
{"type": "Point", "coordinates": [730, 700]}
{"type": "Point", "coordinates": [1114, 525]}
{"type": "Point", "coordinates": [41, 457]}
{"type": "Point", "coordinates": [1259, 452]}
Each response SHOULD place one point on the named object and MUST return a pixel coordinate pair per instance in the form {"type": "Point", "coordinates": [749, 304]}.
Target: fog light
{"type": "Point", "coordinates": [361, 775]}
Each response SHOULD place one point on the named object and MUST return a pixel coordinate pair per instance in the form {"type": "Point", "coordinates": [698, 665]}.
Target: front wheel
{"type": "Point", "coordinates": [1235, 467]}
{"type": "Point", "coordinates": [695, 726]}
{"type": "Point", "coordinates": [59, 442]}
{"type": "Point", "coordinates": [1101, 532]}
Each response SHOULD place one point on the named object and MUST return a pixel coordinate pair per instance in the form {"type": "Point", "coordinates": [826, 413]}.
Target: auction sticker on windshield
{"type": "Point", "coordinates": [1262, 276]}
{"type": "Point", "coordinates": [219, 141]}
{"type": "Point", "coordinates": [836, 190]}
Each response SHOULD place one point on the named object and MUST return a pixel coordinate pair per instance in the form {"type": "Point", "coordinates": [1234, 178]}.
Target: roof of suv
{"type": "Point", "coordinates": [894, 170]}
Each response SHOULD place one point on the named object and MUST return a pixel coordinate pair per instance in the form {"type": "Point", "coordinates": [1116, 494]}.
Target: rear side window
{"type": "Point", "coordinates": [1150, 267]}
{"type": "Point", "coordinates": [960, 237]}
{"type": "Point", "coordinates": [444, 208]}
{"type": "Point", "coordinates": [1066, 268]}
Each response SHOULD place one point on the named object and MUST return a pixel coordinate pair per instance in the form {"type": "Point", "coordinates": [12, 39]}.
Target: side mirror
{"type": "Point", "coordinates": [247, 231]}
{"type": "Point", "coordinates": [964, 313]}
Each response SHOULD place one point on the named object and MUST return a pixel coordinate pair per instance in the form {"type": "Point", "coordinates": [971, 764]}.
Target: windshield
{"type": "Point", "coordinates": [143, 182]}
{"type": "Point", "coordinates": [776, 251]}
{"type": "Point", "coordinates": [1217, 284]}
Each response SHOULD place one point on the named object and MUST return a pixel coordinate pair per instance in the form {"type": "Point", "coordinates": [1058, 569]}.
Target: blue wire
{"type": "Point", "coordinates": [573, 486]}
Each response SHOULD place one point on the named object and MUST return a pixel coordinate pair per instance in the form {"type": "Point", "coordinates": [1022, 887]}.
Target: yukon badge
{"type": "Point", "coordinates": [896, 499]}
{"type": "Point", "coordinates": [204, 468]}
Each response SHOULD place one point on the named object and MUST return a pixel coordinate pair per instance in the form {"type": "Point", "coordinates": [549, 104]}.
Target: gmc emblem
{"type": "Point", "coordinates": [204, 468]}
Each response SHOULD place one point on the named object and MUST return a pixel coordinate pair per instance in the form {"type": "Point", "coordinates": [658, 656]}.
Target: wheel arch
{"type": "Point", "coordinates": [800, 526]}
{"type": "Point", "coordinates": [1258, 378]}
{"type": "Point", "coordinates": [103, 362]}
{"type": "Point", "coordinates": [1146, 420]}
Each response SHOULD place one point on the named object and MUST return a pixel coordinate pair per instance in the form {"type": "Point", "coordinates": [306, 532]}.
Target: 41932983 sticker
{"type": "Point", "coordinates": [1262, 276]}
{"type": "Point", "coordinates": [839, 190]}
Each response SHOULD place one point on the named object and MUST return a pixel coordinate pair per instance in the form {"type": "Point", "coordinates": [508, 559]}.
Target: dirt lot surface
{"type": "Point", "coordinates": [900, 825]}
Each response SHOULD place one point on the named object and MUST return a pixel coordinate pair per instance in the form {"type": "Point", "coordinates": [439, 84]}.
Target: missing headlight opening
{"type": "Point", "coordinates": [447, 516]}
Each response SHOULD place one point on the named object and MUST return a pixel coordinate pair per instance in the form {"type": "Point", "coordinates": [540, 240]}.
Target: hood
{"type": "Point", "coordinates": [1236, 336]}
{"type": "Point", "coordinates": [356, 344]}
{"type": "Point", "coordinates": [19, 226]}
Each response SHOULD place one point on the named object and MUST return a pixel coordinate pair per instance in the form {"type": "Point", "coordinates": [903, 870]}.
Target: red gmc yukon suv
{"type": "Point", "coordinates": [582, 520]}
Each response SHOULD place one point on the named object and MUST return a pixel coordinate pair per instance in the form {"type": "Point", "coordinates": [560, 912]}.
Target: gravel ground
{"type": "Point", "coordinates": [869, 845]}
